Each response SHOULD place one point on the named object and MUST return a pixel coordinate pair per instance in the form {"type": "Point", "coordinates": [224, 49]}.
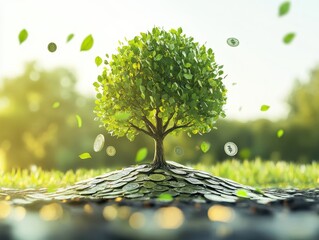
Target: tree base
{"type": "Point", "coordinates": [150, 181]}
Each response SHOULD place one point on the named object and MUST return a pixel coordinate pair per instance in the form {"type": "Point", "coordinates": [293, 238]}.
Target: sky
{"type": "Point", "coordinates": [261, 70]}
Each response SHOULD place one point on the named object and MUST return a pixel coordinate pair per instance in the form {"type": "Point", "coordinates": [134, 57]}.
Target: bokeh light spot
{"type": "Point", "coordinates": [220, 213]}
{"type": "Point", "coordinates": [109, 213]}
{"type": "Point", "coordinates": [137, 220]}
{"type": "Point", "coordinates": [169, 217]}
{"type": "Point", "coordinates": [51, 212]}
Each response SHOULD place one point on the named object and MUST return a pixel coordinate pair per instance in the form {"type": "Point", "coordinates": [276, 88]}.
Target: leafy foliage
{"type": "Point", "coordinates": [164, 81]}
{"type": "Point", "coordinates": [141, 154]}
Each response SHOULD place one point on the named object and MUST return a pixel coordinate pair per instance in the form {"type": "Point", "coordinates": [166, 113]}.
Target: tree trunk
{"type": "Point", "coordinates": [158, 160]}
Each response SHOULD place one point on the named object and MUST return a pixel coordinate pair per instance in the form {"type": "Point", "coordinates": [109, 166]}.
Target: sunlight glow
{"type": "Point", "coordinates": [169, 217]}
{"type": "Point", "coordinates": [220, 213]}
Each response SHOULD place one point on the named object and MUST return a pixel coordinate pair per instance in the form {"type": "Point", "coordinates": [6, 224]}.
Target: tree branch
{"type": "Point", "coordinates": [143, 130]}
{"type": "Point", "coordinates": [177, 127]}
{"type": "Point", "coordinates": [149, 125]}
{"type": "Point", "coordinates": [168, 120]}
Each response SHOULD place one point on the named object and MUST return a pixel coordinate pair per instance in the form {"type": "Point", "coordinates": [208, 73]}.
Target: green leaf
{"type": "Point", "coordinates": [141, 154]}
{"type": "Point", "coordinates": [23, 35]}
{"type": "Point", "coordinates": [87, 43]}
{"type": "Point", "coordinates": [70, 37]}
{"type": "Point", "coordinates": [165, 197]}
{"type": "Point", "coordinates": [264, 108]}
{"type": "Point", "coordinates": [158, 57]}
{"type": "Point", "coordinates": [205, 146]}
{"type": "Point", "coordinates": [98, 61]}
{"type": "Point", "coordinates": [79, 120]}
{"type": "Point", "coordinates": [280, 133]}
{"type": "Point", "coordinates": [242, 193]}
{"type": "Point", "coordinates": [284, 8]}
{"type": "Point", "coordinates": [289, 37]}
{"type": "Point", "coordinates": [188, 76]}
{"type": "Point", "coordinates": [56, 105]}
{"type": "Point", "coordinates": [122, 116]}
{"type": "Point", "coordinates": [85, 155]}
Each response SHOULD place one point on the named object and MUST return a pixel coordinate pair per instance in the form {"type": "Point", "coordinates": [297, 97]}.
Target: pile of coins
{"type": "Point", "coordinates": [180, 182]}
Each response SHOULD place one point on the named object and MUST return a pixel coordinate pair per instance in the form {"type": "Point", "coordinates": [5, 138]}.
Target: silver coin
{"type": "Point", "coordinates": [179, 151]}
{"type": "Point", "coordinates": [233, 42]}
{"type": "Point", "coordinates": [111, 151]}
{"type": "Point", "coordinates": [98, 143]}
{"type": "Point", "coordinates": [230, 149]}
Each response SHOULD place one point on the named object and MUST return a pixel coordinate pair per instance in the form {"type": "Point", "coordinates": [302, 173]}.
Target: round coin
{"type": "Point", "coordinates": [231, 149]}
{"type": "Point", "coordinates": [233, 42]}
{"type": "Point", "coordinates": [111, 151]}
{"type": "Point", "coordinates": [130, 187]}
{"type": "Point", "coordinates": [157, 177]}
{"type": "Point", "coordinates": [52, 47]}
{"type": "Point", "coordinates": [98, 143]}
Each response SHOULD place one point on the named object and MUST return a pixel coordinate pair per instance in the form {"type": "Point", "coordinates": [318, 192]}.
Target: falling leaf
{"type": "Point", "coordinates": [87, 43]}
{"type": "Point", "coordinates": [289, 37]}
{"type": "Point", "coordinates": [79, 120]}
{"type": "Point", "coordinates": [242, 193]}
{"type": "Point", "coordinates": [284, 8]}
{"type": "Point", "coordinates": [141, 154]}
{"type": "Point", "coordinates": [165, 197]}
{"type": "Point", "coordinates": [70, 37]}
{"type": "Point", "coordinates": [264, 108]}
{"type": "Point", "coordinates": [98, 61]}
{"type": "Point", "coordinates": [56, 105]}
{"type": "Point", "coordinates": [85, 155]}
{"type": "Point", "coordinates": [23, 35]}
{"type": "Point", "coordinates": [280, 133]}
{"type": "Point", "coordinates": [205, 146]}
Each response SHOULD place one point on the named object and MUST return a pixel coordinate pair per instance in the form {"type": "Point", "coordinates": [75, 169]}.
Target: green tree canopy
{"type": "Point", "coordinates": [157, 83]}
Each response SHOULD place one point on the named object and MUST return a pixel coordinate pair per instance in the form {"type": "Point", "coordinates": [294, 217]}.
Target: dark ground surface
{"type": "Point", "coordinates": [294, 218]}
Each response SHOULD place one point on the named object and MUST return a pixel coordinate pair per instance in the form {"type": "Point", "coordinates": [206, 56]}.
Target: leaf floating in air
{"type": "Point", "coordinates": [56, 105]}
{"type": "Point", "coordinates": [70, 37]}
{"type": "Point", "coordinates": [79, 120]}
{"type": "Point", "coordinates": [122, 116]}
{"type": "Point", "coordinates": [87, 43]}
{"type": "Point", "coordinates": [205, 146]}
{"type": "Point", "coordinates": [23, 35]}
{"type": "Point", "coordinates": [289, 37]}
{"type": "Point", "coordinates": [141, 154]}
{"type": "Point", "coordinates": [242, 193]}
{"type": "Point", "coordinates": [98, 61]}
{"type": "Point", "coordinates": [280, 133]}
{"type": "Point", "coordinates": [264, 108]}
{"type": "Point", "coordinates": [85, 155]}
{"type": "Point", "coordinates": [284, 8]}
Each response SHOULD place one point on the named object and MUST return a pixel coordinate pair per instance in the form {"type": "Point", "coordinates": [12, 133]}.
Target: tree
{"type": "Point", "coordinates": [158, 83]}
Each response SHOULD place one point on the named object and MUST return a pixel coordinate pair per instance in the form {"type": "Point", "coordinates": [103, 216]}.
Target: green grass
{"type": "Point", "coordinates": [261, 174]}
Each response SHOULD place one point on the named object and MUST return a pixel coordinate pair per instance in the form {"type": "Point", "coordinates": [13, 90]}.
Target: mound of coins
{"type": "Point", "coordinates": [180, 182]}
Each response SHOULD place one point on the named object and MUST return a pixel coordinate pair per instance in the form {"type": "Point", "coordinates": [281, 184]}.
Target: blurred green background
{"type": "Point", "coordinates": [39, 127]}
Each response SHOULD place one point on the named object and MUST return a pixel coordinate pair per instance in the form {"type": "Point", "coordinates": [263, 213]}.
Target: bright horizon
{"type": "Point", "coordinates": [263, 68]}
